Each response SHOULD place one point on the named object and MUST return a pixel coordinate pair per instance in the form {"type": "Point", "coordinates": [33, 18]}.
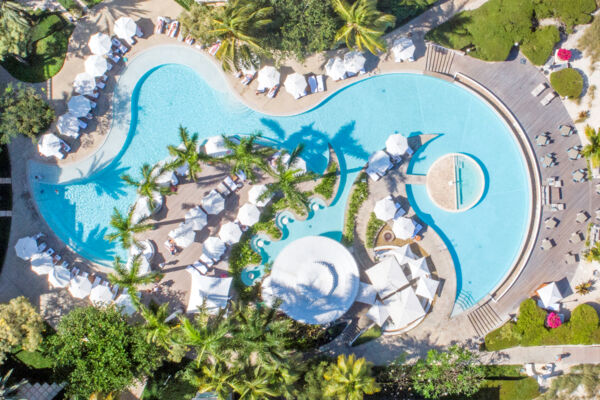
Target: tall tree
{"type": "Point", "coordinates": [125, 229]}
{"type": "Point", "coordinates": [15, 30]}
{"type": "Point", "coordinates": [21, 326]}
{"type": "Point", "coordinates": [237, 25]}
{"type": "Point", "coordinates": [148, 186]}
{"type": "Point", "coordinates": [247, 155]}
{"type": "Point", "coordinates": [592, 150]}
{"type": "Point", "coordinates": [207, 335]}
{"type": "Point", "coordinates": [349, 379]}
{"type": "Point", "coordinates": [129, 276]}
{"type": "Point", "coordinates": [158, 330]}
{"type": "Point", "coordinates": [187, 153]}
{"type": "Point", "coordinates": [363, 24]}
{"type": "Point", "coordinates": [454, 371]}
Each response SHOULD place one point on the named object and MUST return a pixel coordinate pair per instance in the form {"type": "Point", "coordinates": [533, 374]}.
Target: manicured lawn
{"type": "Point", "coordinates": [505, 382]}
{"type": "Point", "coordinates": [50, 40]}
{"type": "Point", "coordinates": [372, 333]}
{"type": "Point", "coordinates": [32, 366]}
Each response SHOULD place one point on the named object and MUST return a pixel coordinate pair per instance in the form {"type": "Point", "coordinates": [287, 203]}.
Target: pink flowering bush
{"type": "Point", "coordinates": [553, 320]}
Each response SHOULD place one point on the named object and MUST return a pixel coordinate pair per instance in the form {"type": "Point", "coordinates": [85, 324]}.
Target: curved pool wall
{"type": "Point", "coordinates": [173, 85]}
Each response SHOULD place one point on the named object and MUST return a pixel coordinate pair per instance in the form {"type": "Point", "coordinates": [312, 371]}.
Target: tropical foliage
{"type": "Point", "coordinates": [589, 42]}
{"type": "Point", "coordinates": [584, 287]}
{"type": "Point", "coordinates": [373, 227]}
{"type": "Point", "coordinates": [125, 229]}
{"type": "Point", "coordinates": [23, 111]}
{"type": "Point", "coordinates": [564, 386]}
{"type": "Point", "coordinates": [567, 82]}
{"type": "Point", "coordinates": [246, 155]}
{"type": "Point", "coordinates": [129, 277]}
{"type": "Point", "coordinates": [328, 181]}
{"type": "Point", "coordinates": [15, 29]}
{"type": "Point", "coordinates": [360, 193]}
{"type": "Point", "coordinates": [8, 391]}
{"type": "Point", "coordinates": [363, 25]}
{"type": "Point", "coordinates": [187, 154]}
{"type": "Point", "coordinates": [98, 352]}
{"type": "Point", "coordinates": [592, 152]}
{"type": "Point", "coordinates": [20, 326]}
{"type": "Point", "coordinates": [158, 330]}
{"type": "Point", "coordinates": [147, 187]}
{"type": "Point", "coordinates": [349, 379]}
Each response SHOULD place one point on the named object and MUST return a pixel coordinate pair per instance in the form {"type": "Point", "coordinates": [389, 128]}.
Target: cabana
{"type": "Point", "coordinates": [404, 308]}
{"type": "Point", "coordinates": [387, 276]}
{"type": "Point", "coordinates": [208, 291]}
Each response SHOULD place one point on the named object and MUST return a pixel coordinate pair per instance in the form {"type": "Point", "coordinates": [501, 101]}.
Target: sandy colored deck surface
{"type": "Point", "coordinates": [441, 184]}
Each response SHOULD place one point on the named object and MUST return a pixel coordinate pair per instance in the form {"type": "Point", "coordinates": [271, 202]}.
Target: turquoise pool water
{"type": "Point", "coordinates": [356, 121]}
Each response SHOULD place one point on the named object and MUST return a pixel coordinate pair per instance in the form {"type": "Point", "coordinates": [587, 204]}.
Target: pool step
{"type": "Point", "coordinates": [484, 319]}
{"type": "Point", "coordinates": [438, 59]}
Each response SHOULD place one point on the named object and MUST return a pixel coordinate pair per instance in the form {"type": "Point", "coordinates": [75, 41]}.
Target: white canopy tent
{"type": "Point", "coordinates": [125, 302]}
{"type": "Point", "coordinates": [268, 77]}
{"type": "Point", "coordinates": [79, 106]}
{"type": "Point", "coordinates": [404, 228]}
{"type": "Point", "coordinates": [404, 308]}
{"type": "Point", "coordinates": [378, 313]}
{"type": "Point", "coordinates": [208, 291]}
{"type": "Point", "coordinates": [549, 295]}
{"type": "Point", "coordinates": [142, 207]}
{"type": "Point", "coordinates": [335, 68]}
{"type": "Point", "coordinates": [96, 65]}
{"type": "Point", "coordinates": [213, 248]}
{"type": "Point", "coordinates": [50, 146]}
{"type": "Point", "coordinates": [146, 249]}
{"type": "Point", "coordinates": [403, 49]}
{"type": "Point", "coordinates": [184, 235]}
{"type": "Point", "coordinates": [42, 264]}
{"type": "Point", "coordinates": [315, 277]}
{"type": "Point", "coordinates": [385, 209]}
{"type": "Point", "coordinates": [230, 233]}
{"type": "Point", "coordinates": [213, 203]}
{"type": "Point", "coordinates": [100, 295]}
{"type": "Point", "coordinates": [397, 145]}
{"type": "Point", "coordinates": [366, 293]}
{"type": "Point", "coordinates": [68, 125]}
{"type": "Point", "coordinates": [84, 84]}
{"type": "Point", "coordinates": [295, 84]}
{"type": "Point", "coordinates": [354, 62]}
{"type": "Point", "coordinates": [427, 287]}
{"type": "Point", "coordinates": [59, 277]}
{"type": "Point", "coordinates": [100, 44]}
{"type": "Point", "coordinates": [215, 147]}
{"type": "Point", "coordinates": [248, 214]}
{"type": "Point", "coordinates": [379, 162]}
{"type": "Point", "coordinates": [197, 217]}
{"type": "Point", "coordinates": [418, 267]}
{"type": "Point", "coordinates": [387, 276]}
{"type": "Point", "coordinates": [26, 247]}
{"type": "Point", "coordinates": [125, 28]}
{"type": "Point", "coordinates": [254, 195]}
{"type": "Point", "coordinates": [80, 287]}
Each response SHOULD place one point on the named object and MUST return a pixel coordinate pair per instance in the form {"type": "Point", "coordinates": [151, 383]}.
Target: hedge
{"type": "Point", "coordinates": [328, 180]}
{"type": "Point", "coordinates": [373, 227]}
{"type": "Point", "coordinates": [357, 198]}
{"type": "Point", "coordinates": [567, 82]}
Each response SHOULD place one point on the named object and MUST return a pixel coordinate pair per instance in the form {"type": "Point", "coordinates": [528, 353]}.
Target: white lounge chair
{"type": "Point", "coordinates": [548, 98]}
{"type": "Point", "coordinates": [200, 267]}
{"type": "Point", "coordinates": [173, 28]}
{"type": "Point", "coordinates": [230, 184]}
{"type": "Point", "coordinates": [100, 85]}
{"type": "Point", "coordinates": [312, 83]}
{"type": "Point", "coordinates": [206, 260]}
{"type": "Point", "coordinates": [97, 281]}
{"type": "Point", "coordinates": [538, 89]}
{"type": "Point", "coordinates": [139, 32]}
{"type": "Point", "coordinates": [320, 83]}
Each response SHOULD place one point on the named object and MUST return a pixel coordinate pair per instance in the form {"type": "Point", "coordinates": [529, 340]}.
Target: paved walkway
{"type": "Point", "coordinates": [571, 355]}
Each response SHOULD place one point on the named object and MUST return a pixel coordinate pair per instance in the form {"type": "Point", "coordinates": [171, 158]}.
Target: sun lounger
{"type": "Point", "coordinates": [538, 89]}
{"type": "Point", "coordinates": [89, 116]}
{"type": "Point", "coordinates": [115, 57]}
{"type": "Point", "coordinates": [173, 28]}
{"type": "Point", "coordinates": [247, 79]}
{"type": "Point", "coordinates": [320, 83]}
{"type": "Point", "coordinates": [548, 98]}
{"type": "Point", "coordinates": [103, 78]}
{"type": "Point", "coordinates": [214, 48]}
{"type": "Point", "coordinates": [50, 251]}
{"type": "Point", "coordinates": [97, 281]}
{"type": "Point", "coordinates": [64, 146]}
{"type": "Point", "coordinates": [42, 246]}
{"type": "Point", "coordinates": [224, 190]}
{"type": "Point", "coordinates": [130, 41]}
{"type": "Point", "coordinates": [115, 42]}
{"type": "Point", "coordinates": [94, 95]}
{"type": "Point", "coordinates": [123, 49]}
{"type": "Point", "coordinates": [139, 32]}
{"type": "Point", "coordinates": [565, 130]}
{"type": "Point", "coordinates": [38, 236]}
{"type": "Point", "coordinates": [312, 83]}
{"type": "Point", "coordinates": [206, 260]}
{"type": "Point", "coordinates": [200, 267]}
{"type": "Point", "coordinates": [273, 91]}
{"type": "Point", "coordinates": [230, 183]}
{"type": "Point", "coordinates": [190, 40]}
{"type": "Point", "coordinates": [100, 85]}
{"type": "Point", "coordinates": [557, 206]}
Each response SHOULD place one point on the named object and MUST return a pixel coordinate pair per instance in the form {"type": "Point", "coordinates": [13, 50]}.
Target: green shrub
{"type": "Point", "coordinates": [530, 324]}
{"type": "Point", "coordinates": [357, 198]}
{"type": "Point", "coordinates": [373, 227]}
{"type": "Point", "coordinates": [502, 338]}
{"type": "Point", "coordinates": [404, 10]}
{"type": "Point", "coordinates": [328, 180]}
{"type": "Point", "coordinates": [583, 323]}
{"type": "Point", "coordinates": [539, 46]}
{"type": "Point", "coordinates": [567, 82]}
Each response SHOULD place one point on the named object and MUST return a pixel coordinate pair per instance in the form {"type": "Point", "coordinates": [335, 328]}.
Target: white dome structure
{"type": "Point", "coordinates": [316, 279]}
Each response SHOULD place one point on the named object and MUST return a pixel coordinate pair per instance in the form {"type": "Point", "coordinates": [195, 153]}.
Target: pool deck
{"type": "Point", "coordinates": [510, 81]}
{"type": "Point", "coordinates": [441, 183]}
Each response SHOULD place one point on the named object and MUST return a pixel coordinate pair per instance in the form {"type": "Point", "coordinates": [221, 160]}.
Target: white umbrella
{"type": "Point", "coordinates": [213, 247]}
{"type": "Point", "coordinates": [59, 277]}
{"type": "Point", "coordinates": [255, 193]}
{"type": "Point", "coordinates": [268, 77]}
{"type": "Point", "coordinates": [427, 287]}
{"type": "Point", "coordinates": [125, 303]}
{"type": "Point", "coordinates": [96, 65]}
{"type": "Point", "coordinates": [41, 263]}
{"type": "Point", "coordinates": [84, 84]}
{"type": "Point", "coordinates": [125, 28]}
{"type": "Point", "coordinates": [142, 207]}
{"type": "Point", "coordinates": [197, 218]}
{"type": "Point", "coordinates": [366, 293]}
{"type": "Point", "coordinates": [418, 267]}
{"type": "Point", "coordinates": [144, 267]}
{"type": "Point", "coordinates": [379, 162]}
{"type": "Point", "coordinates": [404, 307]}
{"type": "Point", "coordinates": [100, 295]}
{"type": "Point", "coordinates": [68, 125]}
{"type": "Point", "coordinates": [248, 214]}
{"type": "Point", "coordinates": [403, 49]}
{"type": "Point", "coordinates": [79, 106]}
{"type": "Point", "coordinates": [146, 249]}
{"type": "Point", "coordinates": [396, 145]}
{"type": "Point", "coordinates": [378, 313]}
{"type": "Point", "coordinates": [80, 287]}
{"type": "Point", "coordinates": [549, 294]}
{"type": "Point", "coordinates": [166, 179]}
{"type": "Point", "coordinates": [215, 146]}
{"type": "Point", "coordinates": [295, 84]}
{"type": "Point", "coordinates": [100, 44]}
{"type": "Point", "coordinates": [387, 276]}
{"type": "Point", "coordinates": [183, 235]}
{"type": "Point", "coordinates": [213, 203]}
{"type": "Point", "coordinates": [403, 227]}
{"type": "Point", "coordinates": [354, 62]}
{"type": "Point", "coordinates": [26, 247]}
{"type": "Point", "coordinates": [230, 233]}
{"type": "Point", "coordinates": [50, 145]}
{"type": "Point", "coordinates": [335, 69]}
{"type": "Point", "coordinates": [385, 209]}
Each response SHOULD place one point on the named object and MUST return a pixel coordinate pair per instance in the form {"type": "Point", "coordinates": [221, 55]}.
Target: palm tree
{"type": "Point", "coordinates": [125, 228]}
{"type": "Point", "coordinates": [246, 155]}
{"type": "Point", "coordinates": [187, 153]}
{"type": "Point", "coordinates": [592, 150]}
{"type": "Point", "coordinates": [148, 187]}
{"type": "Point", "coordinates": [214, 378]}
{"type": "Point", "coordinates": [363, 24]}
{"type": "Point", "coordinates": [15, 13]}
{"type": "Point", "coordinates": [287, 180]}
{"type": "Point", "coordinates": [257, 384]}
{"type": "Point", "coordinates": [9, 392]}
{"type": "Point", "coordinates": [159, 331]}
{"type": "Point", "coordinates": [236, 26]}
{"type": "Point", "coordinates": [349, 379]}
{"type": "Point", "coordinates": [206, 335]}
{"type": "Point", "coordinates": [584, 288]}
{"type": "Point", "coordinates": [129, 277]}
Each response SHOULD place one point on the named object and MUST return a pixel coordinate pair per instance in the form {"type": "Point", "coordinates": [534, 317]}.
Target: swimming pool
{"type": "Point", "coordinates": [356, 121]}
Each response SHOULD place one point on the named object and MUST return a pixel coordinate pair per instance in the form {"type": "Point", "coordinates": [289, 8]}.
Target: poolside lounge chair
{"type": "Point", "coordinates": [273, 91]}
{"type": "Point", "coordinates": [546, 244]}
{"type": "Point", "coordinates": [115, 57]}
{"type": "Point", "coordinates": [103, 78]}
{"type": "Point", "coordinates": [190, 40]}
{"type": "Point", "coordinates": [214, 48]}
{"type": "Point", "coordinates": [565, 130]}
{"type": "Point", "coordinates": [100, 85]}
{"type": "Point", "coordinates": [139, 32]}
{"type": "Point", "coordinates": [320, 83]}
{"type": "Point", "coordinates": [50, 251]}
{"type": "Point", "coordinates": [160, 25]}
{"type": "Point", "coordinates": [548, 98]}
{"type": "Point", "coordinates": [312, 83]}
{"type": "Point", "coordinates": [555, 182]}
{"type": "Point", "coordinates": [557, 206]}
{"type": "Point", "coordinates": [373, 175]}
{"type": "Point", "coordinates": [97, 281]}
{"type": "Point", "coordinates": [231, 184]}
{"type": "Point", "coordinates": [115, 42]}
{"type": "Point", "coordinates": [224, 190]}
{"type": "Point", "coordinates": [550, 223]}
{"type": "Point", "coordinates": [538, 89]}
{"type": "Point", "coordinates": [173, 28]}
{"type": "Point", "coordinates": [248, 78]}
{"type": "Point", "coordinates": [206, 260]}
